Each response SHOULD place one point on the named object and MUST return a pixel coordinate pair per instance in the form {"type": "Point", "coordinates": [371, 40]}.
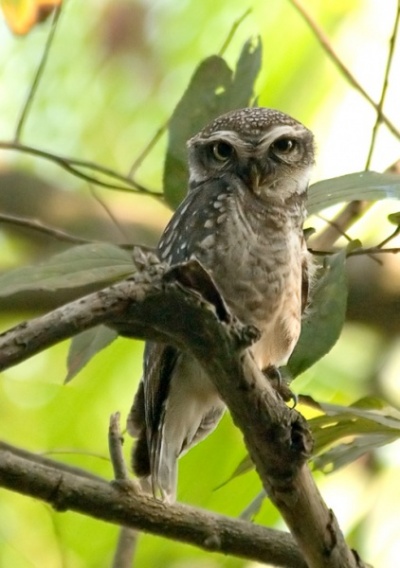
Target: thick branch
{"type": "Point", "coordinates": [68, 491]}
{"type": "Point", "coordinates": [30, 338]}
{"type": "Point", "coordinates": [182, 306]}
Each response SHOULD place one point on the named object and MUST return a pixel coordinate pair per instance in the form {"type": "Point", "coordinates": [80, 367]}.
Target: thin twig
{"type": "Point", "coordinates": [392, 43]}
{"type": "Point", "coordinates": [139, 160]}
{"type": "Point", "coordinates": [127, 539]}
{"type": "Point", "coordinates": [115, 441]}
{"type": "Point", "coordinates": [60, 235]}
{"type": "Point", "coordinates": [40, 227]}
{"type": "Point", "coordinates": [108, 210]}
{"type": "Point", "coordinates": [357, 252]}
{"type": "Point", "coordinates": [38, 75]}
{"type": "Point", "coordinates": [74, 452]}
{"type": "Point", "coordinates": [389, 238]}
{"type": "Point", "coordinates": [147, 149]}
{"type": "Point", "coordinates": [326, 45]}
{"type": "Point", "coordinates": [72, 165]}
{"type": "Point", "coordinates": [126, 548]}
{"type": "Point", "coordinates": [335, 226]}
{"type": "Point", "coordinates": [233, 30]}
{"type": "Point", "coordinates": [349, 215]}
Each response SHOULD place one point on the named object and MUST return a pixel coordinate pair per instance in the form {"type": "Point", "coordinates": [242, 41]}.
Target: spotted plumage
{"type": "Point", "coordinates": [242, 219]}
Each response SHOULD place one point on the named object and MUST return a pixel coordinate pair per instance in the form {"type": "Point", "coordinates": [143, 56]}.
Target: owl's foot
{"type": "Point", "coordinates": [126, 485]}
{"type": "Point", "coordinates": [274, 375]}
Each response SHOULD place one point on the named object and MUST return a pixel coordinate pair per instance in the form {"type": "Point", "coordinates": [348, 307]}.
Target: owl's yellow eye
{"type": "Point", "coordinates": [222, 151]}
{"type": "Point", "coordinates": [284, 145]}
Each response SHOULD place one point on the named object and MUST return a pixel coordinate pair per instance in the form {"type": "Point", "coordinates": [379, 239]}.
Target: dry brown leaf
{"type": "Point", "coordinates": [22, 15]}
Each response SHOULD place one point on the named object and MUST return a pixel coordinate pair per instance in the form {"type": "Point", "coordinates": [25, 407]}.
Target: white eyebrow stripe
{"type": "Point", "coordinates": [227, 135]}
{"type": "Point", "coordinates": [275, 132]}
{"type": "Point", "coordinates": [278, 132]}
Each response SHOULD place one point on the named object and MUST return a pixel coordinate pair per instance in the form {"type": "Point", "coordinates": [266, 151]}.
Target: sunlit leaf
{"type": "Point", "coordinates": [369, 186]}
{"type": "Point", "coordinates": [86, 345]}
{"type": "Point", "coordinates": [323, 323]}
{"type": "Point", "coordinates": [213, 90]}
{"type": "Point", "coordinates": [368, 408]}
{"type": "Point", "coordinates": [78, 266]}
{"type": "Point", "coordinates": [343, 454]}
{"type": "Point", "coordinates": [361, 427]}
{"type": "Point", "coordinates": [22, 15]}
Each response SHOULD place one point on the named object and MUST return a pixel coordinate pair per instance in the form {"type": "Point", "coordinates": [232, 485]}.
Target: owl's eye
{"type": "Point", "coordinates": [222, 151]}
{"type": "Point", "coordinates": [284, 145]}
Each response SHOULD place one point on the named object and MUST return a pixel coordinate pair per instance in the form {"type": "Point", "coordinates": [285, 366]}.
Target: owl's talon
{"type": "Point", "coordinates": [274, 375]}
{"type": "Point", "coordinates": [294, 398]}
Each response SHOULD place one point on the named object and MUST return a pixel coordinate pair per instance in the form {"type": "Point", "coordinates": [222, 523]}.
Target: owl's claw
{"type": "Point", "coordinates": [274, 375]}
{"type": "Point", "coordinates": [294, 398]}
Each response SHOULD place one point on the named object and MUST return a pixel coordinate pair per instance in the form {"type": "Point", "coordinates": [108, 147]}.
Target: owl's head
{"type": "Point", "coordinates": [266, 152]}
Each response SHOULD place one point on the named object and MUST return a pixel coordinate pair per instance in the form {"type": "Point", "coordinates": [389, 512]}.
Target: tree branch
{"type": "Point", "coordinates": [68, 491]}
{"type": "Point", "coordinates": [379, 110]}
{"type": "Point", "coordinates": [127, 539]}
{"type": "Point", "coordinates": [77, 167]}
{"type": "Point", "coordinates": [38, 226]}
{"type": "Point", "coordinates": [276, 436]}
{"type": "Point", "coordinates": [330, 52]}
{"type": "Point", "coordinates": [38, 75]}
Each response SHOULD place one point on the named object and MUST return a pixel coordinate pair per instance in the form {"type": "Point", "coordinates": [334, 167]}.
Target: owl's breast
{"type": "Point", "coordinates": [259, 275]}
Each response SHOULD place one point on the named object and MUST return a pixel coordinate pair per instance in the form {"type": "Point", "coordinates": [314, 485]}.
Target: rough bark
{"type": "Point", "coordinates": [68, 489]}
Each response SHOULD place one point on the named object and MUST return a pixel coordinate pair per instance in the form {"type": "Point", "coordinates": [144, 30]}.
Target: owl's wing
{"type": "Point", "coordinates": [190, 225]}
{"type": "Point", "coordinates": [159, 363]}
{"type": "Point", "coordinates": [307, 271]}
{"type": "Point", "coordinates": [146, 417]}
{"type": "Point", "coordinates": [154, 456]}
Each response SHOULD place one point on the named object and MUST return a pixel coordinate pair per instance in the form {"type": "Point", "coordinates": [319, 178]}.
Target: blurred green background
{"type": "Point", "coordinates": [115, 73]}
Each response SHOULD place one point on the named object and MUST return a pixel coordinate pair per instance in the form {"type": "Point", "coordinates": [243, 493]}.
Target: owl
{"type": "Point", "coordinates": [242, 219]}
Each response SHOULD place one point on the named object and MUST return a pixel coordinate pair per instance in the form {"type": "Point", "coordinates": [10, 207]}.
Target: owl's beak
{"type": "Point", "coordinates": [256, 178]}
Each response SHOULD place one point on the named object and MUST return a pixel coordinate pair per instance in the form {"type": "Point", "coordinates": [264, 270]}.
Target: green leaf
{"type": "Point", "coordinates": [212, 91]}
{"type": "Point", "coordinates": [369, 423]}
{"type": "Point", "coordinates": [394, 218]}
{"type": "Point", "coordinates": [199, 104]}
{"type": "Point", "coordinates": [244, 466]}
{"type": "Point", "coordinates": [322, 325]}
{"type": "Point", "coordinates": [366, 408]}
{"type": "Point", "coordinates": [343, 454]}
{"type": "Point", "coordinates": [241, 91]}
{"type": "Point", "coordinates": [369, 186]}
{"type": "Point", "coordinates": [86, 345]}
{"type": "Point", "coordinates": [353, 245]}
{"type": "Point", "coordinates": [254, 507]}
{"type": "Point", "coordinates": [78, 266]}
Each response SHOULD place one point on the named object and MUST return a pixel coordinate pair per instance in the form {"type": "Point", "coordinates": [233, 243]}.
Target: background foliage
{"type": "Point", "coordinates": [115, 73]}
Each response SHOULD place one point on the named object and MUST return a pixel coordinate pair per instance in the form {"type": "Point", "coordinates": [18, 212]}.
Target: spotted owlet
{"type": "Point", "coordinates": [242, 219]}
